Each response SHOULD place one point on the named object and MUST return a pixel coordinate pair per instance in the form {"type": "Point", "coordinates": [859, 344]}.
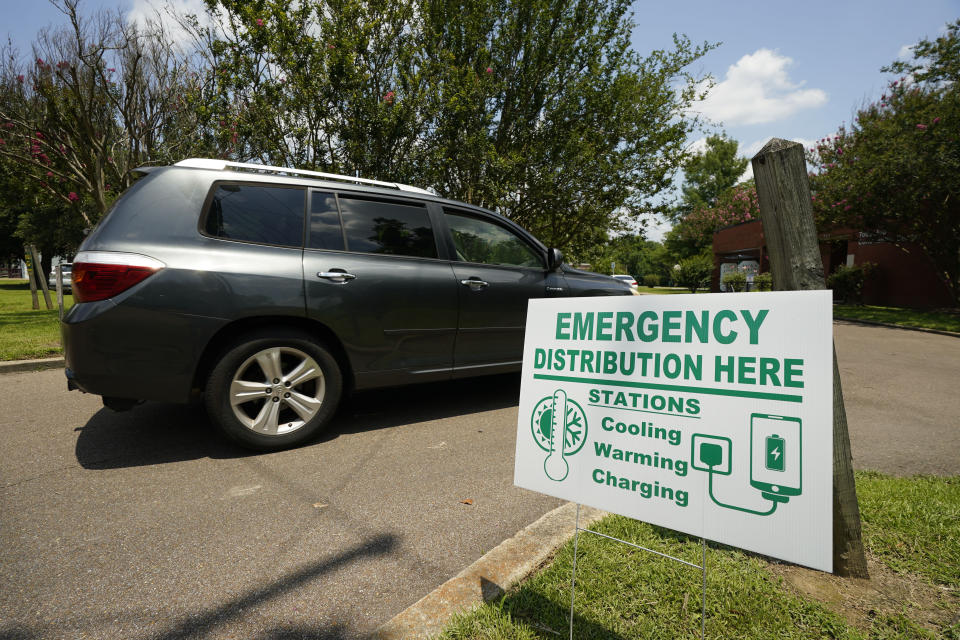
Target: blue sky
{"type": "Point", "coordinates": [789, 70]}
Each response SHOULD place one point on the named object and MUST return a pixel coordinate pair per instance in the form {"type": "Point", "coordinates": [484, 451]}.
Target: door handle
{"type": "Point", "coordinates": [475, 284]}
{"type": "Point", "coordinates": [336, 275]}
{"type": "Point", "coordinates": [555, 289]}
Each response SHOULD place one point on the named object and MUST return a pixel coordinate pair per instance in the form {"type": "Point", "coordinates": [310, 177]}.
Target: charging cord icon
{"type": "Point", "coordinates": [713, 454]}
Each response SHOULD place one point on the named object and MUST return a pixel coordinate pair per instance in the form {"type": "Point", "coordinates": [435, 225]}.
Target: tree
{"type": "Point", "coordinates": [738, 204]}
{"type": "Point", "coordinates": [896, 170]}
{"type": "Point", "coordinates": [540, 110]}
{"type": "Point", "coordinates": [100, 98]}
{"type": "Point", "coordinates": [710, 200]}
{"type": "Point", "coordinates": [709, 174]}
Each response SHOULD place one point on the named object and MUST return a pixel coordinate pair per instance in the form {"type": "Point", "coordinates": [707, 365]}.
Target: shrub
{"type": "Point", "coordinates": [763, 282]}
{"type": "Point", "coordinates": [651, 280]}
{"type": "Point", "coordinates": [847, 282]}
{"type": "Point", "coordinates": [735, 281]}
{"type": "Point", "coordinates": [694, 273]}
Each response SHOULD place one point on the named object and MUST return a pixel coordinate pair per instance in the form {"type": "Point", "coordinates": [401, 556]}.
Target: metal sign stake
{"type": "Point", "coordinates": [702, 566]}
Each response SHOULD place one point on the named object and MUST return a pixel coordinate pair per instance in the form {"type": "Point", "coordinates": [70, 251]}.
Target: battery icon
{"type": "Point", "coordinates": [775, 452]}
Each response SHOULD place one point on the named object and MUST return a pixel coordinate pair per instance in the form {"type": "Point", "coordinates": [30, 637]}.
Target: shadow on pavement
{"type": "Point", "coordinates": [156, 433]}
{"type": "Point", "coordinates": [202, 623]}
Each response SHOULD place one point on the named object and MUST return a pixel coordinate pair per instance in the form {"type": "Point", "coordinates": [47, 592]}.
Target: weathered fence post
{"type": "Point", "coordinates": [38, 271]}
{"type": "Point", "coordinates": [786, 213]}
{"type": "Point", "coordinates": [28, 260]}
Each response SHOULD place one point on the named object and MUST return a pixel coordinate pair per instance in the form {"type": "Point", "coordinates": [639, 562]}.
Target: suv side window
{"type": "Point", "coordinates": [387, 227]}
{"type": "Point", "coordinates": [485, 242]}
{"type": "Point", "coordinates": [254, 213]}
{"type": "Point", "coordinates": [326, 232]}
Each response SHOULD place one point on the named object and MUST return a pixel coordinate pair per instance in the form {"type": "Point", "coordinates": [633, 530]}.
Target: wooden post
{"type": "Point", "coordinates": [38, 269]}
{"type": "Point", "coordinates": [31, 270]}
{"type": "Point", "coordinates": [786, 213]}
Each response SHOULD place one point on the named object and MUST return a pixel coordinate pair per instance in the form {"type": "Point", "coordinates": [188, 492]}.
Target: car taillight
{"type": "Point", "coordinates": [98, 275]}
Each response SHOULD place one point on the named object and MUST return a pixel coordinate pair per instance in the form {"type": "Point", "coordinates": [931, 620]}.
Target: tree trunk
{"type": "Point", "coordinates": [786, 213]}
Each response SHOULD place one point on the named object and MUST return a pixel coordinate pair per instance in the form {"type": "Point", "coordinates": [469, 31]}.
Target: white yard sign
{"type": "Point", "coordinates": [707, 414]}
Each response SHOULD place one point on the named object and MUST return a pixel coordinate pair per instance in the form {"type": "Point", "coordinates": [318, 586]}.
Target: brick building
{"type": "Point", "coordinates": [901, 279]}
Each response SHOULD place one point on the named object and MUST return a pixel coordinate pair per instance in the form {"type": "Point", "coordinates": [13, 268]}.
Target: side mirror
{"type": "Point", "coordinates": [554, 259]}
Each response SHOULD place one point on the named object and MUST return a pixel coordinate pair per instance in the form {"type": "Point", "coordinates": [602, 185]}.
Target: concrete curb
{"type": "Point", "coordinates": [940, 332]}
{"type": "Point", "coordinates": [16, 366]}
{"type": "Point", "coordinates": [490, 576]}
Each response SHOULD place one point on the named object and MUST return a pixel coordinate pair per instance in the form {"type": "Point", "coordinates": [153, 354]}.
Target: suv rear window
{"type": "Point", "coordinates": [387, 227]}
{"type": "Point", "coordinates": [253, 213]}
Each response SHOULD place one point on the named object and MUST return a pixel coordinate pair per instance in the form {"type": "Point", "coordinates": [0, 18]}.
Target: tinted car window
{"type": "Point", "coordinates": [326, 231]}
{"type": "Point", "coordinates": [377, 226]}
{"type": "Point", "coordinates": [267, 215]}
{"type": "Point", "coordinates": [481, 241]}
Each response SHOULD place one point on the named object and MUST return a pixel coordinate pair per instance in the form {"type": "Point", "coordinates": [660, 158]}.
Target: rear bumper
{"type": "Point", "coordinates": [128, 352]}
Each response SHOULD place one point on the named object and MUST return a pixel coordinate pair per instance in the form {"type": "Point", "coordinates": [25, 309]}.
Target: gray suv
{"type": "Point", "coordinates": [271, 292]}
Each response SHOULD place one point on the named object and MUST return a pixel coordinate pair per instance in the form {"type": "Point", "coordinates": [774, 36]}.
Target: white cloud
{"type": "Point", "coordinates": [756, 90]}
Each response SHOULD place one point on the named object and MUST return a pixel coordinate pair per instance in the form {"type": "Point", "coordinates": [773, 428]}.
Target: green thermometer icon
{"type": "Point", "coordinates": [555, 465]}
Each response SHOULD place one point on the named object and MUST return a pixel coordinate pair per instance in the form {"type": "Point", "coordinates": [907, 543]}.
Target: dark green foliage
{"type": "Point", "coordinates": [847, 282]}
{"type": "Point", "coordinates": [763, 282]}
{"type": "Point", "coordinates": [895, 171]}
{"type": "Point", "coordinates": [736, 281]}
{"type": "Point", "coordinates": [709, 174]}
{"type": "Point", "coordinates": [651, 280]}
{"type": "Point", "coordinates": [694, 272]}
{"type": "Point", "coordinates": [539, 110]}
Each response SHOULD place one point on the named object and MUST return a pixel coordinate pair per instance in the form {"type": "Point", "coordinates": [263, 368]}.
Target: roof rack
{"type": "Point", "coordinates": [221, 165]}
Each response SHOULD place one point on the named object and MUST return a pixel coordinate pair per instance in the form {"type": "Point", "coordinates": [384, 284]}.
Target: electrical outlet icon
{"type": "Point", "coordinates": [712, 453]}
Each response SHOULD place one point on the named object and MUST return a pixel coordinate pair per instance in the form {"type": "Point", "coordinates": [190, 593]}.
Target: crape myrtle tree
{"type": "Point", "coordinates": [895, 171]}
{"type": "Point", "coordinates": [539, 109]}
{"type": "Point", "coordinates": [737, 204]}
{"type": "Point", "coordinates": [97, 98]}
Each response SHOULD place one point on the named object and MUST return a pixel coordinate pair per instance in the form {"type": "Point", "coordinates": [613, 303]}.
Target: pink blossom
{"type": "Point", "coordinates": [20, 78]}
{"type": "Point", "coordinates": [39, 136]}
{"type": "Point", "coordinates": [330, 46]}
{"type": "Point", "coordinates": [40, 61]}
{"type": "Point", "coordinates": [259, 22]}
{"type": "Point", "coordinates": [388, 98]}
{"type": "Point", "coordinates": [936, 120]}
{"type": "Point", "coordinates": [489, 69]}
{"type": "Point", "coordinates": [111, 70]}
{"type": "Point", "coordinates": [49, 174]}
{"type": "Point", "coordinates": [921, 126]}
{"type": "Point", "coordinates": [2, 141]}
{"type": "Point", "coordinates": [72, 196]}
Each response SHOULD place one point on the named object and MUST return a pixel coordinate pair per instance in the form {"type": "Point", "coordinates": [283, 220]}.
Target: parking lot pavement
{"type": "Point", "coordinates": [900, 390]}
{"type": "Point", "coordinates": [147, 524]}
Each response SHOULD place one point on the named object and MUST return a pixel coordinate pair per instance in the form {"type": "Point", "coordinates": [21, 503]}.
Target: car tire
{"type": "Point", "coordinates": [273, 390]}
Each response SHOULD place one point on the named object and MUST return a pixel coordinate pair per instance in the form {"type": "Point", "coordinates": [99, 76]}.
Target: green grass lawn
{"type": "Point", "coordinates": [910, 524]}
{"type": "Point", "coordinates": [940, 320]}
{"type": "Point", "coordinates": [25, 333]}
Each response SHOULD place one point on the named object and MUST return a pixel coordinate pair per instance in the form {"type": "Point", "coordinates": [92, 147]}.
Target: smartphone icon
{"type": "Point", "coordinates": [775, 454]}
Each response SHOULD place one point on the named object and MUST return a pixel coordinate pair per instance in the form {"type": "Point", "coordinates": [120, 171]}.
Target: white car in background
{"type": "Point", "coordinates": [67, 268]}
{"type": "Point", "coordinates": [630, 280]}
